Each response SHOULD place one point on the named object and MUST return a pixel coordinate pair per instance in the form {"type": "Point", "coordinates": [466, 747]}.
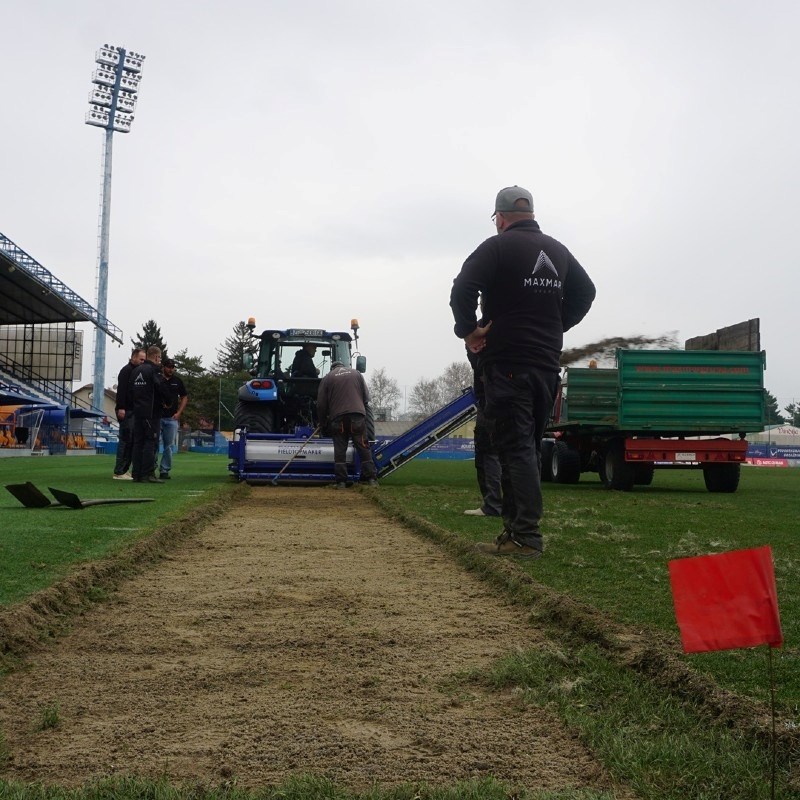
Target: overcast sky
{"type": "Point", "coordinates": [309, 162]}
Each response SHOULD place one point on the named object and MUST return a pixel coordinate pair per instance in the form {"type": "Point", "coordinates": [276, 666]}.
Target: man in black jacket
{"type": "Point", "coordinates": [124, 411]}
{"type": "Point", "coordinates": [533, 290]}
{"type": "Point", "coordinates": [150, 394]}
{"type": "Point", "coordinates": [303, 365]}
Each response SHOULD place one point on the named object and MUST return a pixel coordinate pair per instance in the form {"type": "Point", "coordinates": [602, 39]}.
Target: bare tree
{"type": "Point", "coordinates": [384, 392]}
{"type": "Point", "coordinates": [453, 381]}
{"type": "Point", "coordinates": [426, 397]}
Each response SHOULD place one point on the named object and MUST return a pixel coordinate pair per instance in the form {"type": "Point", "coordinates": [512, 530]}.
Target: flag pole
{"type": "Point", "coordinates": [774, 734]}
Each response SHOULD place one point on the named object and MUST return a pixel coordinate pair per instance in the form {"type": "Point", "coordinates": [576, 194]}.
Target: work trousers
{"type": "Point", "coordinates": [145, 442]}
{"type": "Point", "coordinates": [169, 435]}
{"type": "Point", "coordinates": [487, 466]}
{"type": "Point", "coordinates": [124, 445]}
{"type": "Point", "coordinates": [343, 429]}
{"type": "Point", "coordinates": [518, 405]}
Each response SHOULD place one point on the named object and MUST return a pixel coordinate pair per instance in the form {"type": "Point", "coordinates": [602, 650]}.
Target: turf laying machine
{"type": "Point", "coordinates": [277, 436]}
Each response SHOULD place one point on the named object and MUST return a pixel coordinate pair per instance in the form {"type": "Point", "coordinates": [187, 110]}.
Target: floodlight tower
{"type": "Point", "coordinates": [112, 102]}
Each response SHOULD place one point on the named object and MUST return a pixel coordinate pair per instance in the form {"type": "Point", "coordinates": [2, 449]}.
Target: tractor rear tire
{"type": "Point", "coordinates": [722, 477]}
{"type": "Point", "coordinates": [370, 422]}
{"type": "Point", "coordinates": [565, 463]}
{"type": "Point", "coordinates": [256, 417]}
{"type": "Point", "coordinates": [617, 473]}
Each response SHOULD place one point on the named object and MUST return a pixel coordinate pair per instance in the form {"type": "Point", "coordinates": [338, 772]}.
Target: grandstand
{"type": "Point", "coordinates": [40, 356]}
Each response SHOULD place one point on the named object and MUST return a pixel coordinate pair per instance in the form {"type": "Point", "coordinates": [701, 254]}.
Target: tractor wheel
{"type": "Point", "coordinates": [722, 477]}
{"type": "Point", "coordinates": [565, 464]}
{"type": "Point", "coordinates": [546, 474]}
{"type": "Point", "coordinates": [601, 467]}
{"type": "Point", "coordinates": [643, 474]}
{"type": "Point", "coordinates": [256, 417]}
{"type": "Point", "coordinates": [617, 472]}
{"type": "Point", "coordinates": [370, 422]}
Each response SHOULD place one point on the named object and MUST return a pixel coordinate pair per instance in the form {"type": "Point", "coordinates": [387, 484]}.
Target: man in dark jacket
{"type": "Point", "coordinates": [342, 400]}
{"type": "Point", "coordinates": [533, 290]}
{"type": "Point", "coordinates": [124, 411]}
{"type": "Point", "coordinates": [303, 365]}
{"type": "Point", "coordinates": [149, 397]}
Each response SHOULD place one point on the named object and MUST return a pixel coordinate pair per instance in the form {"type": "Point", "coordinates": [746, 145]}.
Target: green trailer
{"type": "Point", "coordinates": [689, 409]}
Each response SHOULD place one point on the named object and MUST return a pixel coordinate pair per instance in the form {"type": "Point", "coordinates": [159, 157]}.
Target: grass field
{"type": "Point", "coordinates": [607, 549]}
{"type": "Point", "coordinates": [610, 549]}
{"type": "Point", "coordinates": [38, 546]}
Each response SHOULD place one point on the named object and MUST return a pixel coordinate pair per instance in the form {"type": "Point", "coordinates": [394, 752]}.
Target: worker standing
{"type": "Point", "coordinates": [149, 397]}
{"type": "Point", "coordinates": [123, 408]}
{"type": "Point", "coordinates": [533, 290]}
{"type": "Point", "coordinates": [342, 400]}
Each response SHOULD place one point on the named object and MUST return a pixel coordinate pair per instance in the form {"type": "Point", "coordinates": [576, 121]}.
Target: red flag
{"type": "Point", "coordinates": [726, 601]}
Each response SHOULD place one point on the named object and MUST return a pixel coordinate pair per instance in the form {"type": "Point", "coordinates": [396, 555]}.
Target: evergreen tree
{"type": "Point", "coordinates": [230, 356]}
{"type": "Point", "coordinates": [773, 412]}
{"type": "Point", "coordinates": [188, 365]}
{"type": "Point", "coordinates": [793, 410]}
{"type": "Point", "coordinates": [149, 337]}
{"type": "Point", "coordinates": [203, 407]}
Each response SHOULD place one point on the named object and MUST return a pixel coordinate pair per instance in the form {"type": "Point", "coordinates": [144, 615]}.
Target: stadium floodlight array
{"type": "Point", "coordinates": [112, 103]}
{"type": "Point", "coordinates": [112, 100]}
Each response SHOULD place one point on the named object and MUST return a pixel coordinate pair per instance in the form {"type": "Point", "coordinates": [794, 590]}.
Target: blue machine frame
{"type": "Point", "coordinates": [260, 457]}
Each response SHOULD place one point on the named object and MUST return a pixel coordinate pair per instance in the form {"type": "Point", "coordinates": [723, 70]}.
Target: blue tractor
{"type": "Point", "coordinates": [280, 399]}
{"type": "Point", "coordinates": [276, 428]}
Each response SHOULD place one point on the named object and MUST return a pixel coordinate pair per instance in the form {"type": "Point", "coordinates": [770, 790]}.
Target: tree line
{"type": "Point", "coordinates": [213, 390]}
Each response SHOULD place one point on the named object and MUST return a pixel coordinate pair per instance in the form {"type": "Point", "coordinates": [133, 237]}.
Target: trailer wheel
{"type": "Point", "coordinates": [722, 477]}
{"type": "Point", "coordinates": [617, 472]}
{"type": "Point", "coordinates": [565, 464]}
{"type": "Point", "coordinates": [601, 468]}
{"type": "Point", "coordinates": [643, 474]}
{"type": "Point", "coordinates": [256, 417]}
{"type": "Point", "coordinates": [546, 473]}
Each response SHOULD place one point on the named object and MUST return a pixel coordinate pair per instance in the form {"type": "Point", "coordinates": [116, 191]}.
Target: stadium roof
{"type": "Point", "coordinates": [30, 294]}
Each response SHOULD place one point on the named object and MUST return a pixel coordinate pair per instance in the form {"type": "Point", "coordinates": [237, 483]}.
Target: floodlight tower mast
{"type": "Point", "coordinates": [112, 102]}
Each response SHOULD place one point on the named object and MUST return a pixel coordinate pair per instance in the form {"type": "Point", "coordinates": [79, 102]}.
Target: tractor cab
{"type": "Point", "coordinates": [282, 395]}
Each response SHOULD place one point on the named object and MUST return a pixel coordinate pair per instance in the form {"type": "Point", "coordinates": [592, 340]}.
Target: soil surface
{"type": "Point", "coordinates": [292, 634]}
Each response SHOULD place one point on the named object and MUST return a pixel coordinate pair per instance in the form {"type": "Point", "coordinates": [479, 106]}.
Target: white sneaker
{"type": "Point", "coordinates": [475, 512]}
{"type": "Point", "coordinates": [124, 477]}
